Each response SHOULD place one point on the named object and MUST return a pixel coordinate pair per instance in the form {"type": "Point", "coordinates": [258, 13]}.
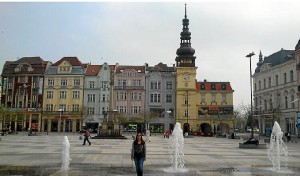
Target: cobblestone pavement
{"type": "Point", "coordinates": [41, 155]}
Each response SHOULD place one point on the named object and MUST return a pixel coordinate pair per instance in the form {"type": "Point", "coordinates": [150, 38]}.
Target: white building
{"type": "Point", "coordinates": [275, 91]}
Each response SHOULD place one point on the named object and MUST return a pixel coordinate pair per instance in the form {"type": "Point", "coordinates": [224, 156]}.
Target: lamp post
{"type": "Point", "coordinates": [60, 112]}
{"type": "Point", "coordinates": [169, 112]}
{"type": "Point", "coordinates": [251, 112]}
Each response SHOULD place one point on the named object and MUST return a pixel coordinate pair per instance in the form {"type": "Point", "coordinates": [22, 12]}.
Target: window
{"type": "Point", "coordinates": [202, 86]}
{"type": "Point", "coordinates": [22, 79]}
{"type": "Point", "coordinates": [10, 85]}
{"type": "Point", "coordinates": [76, 94]}
{"type": "Point", "coordinates": [223, 86]}
{"type": "Point", "coordinates": [276, 80]}
{"type": "Point", "coordinates": [202, 98]}
{"type": "Point", "coordinates": [186, 100]}
{"type": "Point", "coordinates": [293, 101]}
{"type": "Point", "coordinates": [169, 98]}
{"type": "Point", "coordinates": [155, 85]}
{"type": "Point", "coordinates": [136, 82]}
{"type": "Point", "coordinates": [254, 86]}
{"type": "Point", "coordinates": [213, 87]}
{"type": "Point", "coordinates": [62, 94]}
{"type": "Point", "coordinates": [134, 109]}
{"type": "Point", "coordinates": [76, 82]}
{"type": "Point", "coordinates": [266, 105]}
{"type": "Point", "coordinates": [50, 94]}
{"type": "Point", "coordinates": [122, 82]}
{"type": "Point", "coordinates": [121, 96]}
{"type": "Point", "coordinates": [90, 110]}
{"type": "Point", "coordinates": [136, 96]}
{"type": "Point", "coordinates": [213, 98]}
{"type": "Point", "coordinates": [92, 84]}
{"type": "Point", "coordinates": [186, 113]}
{"type": "Point", "coordinates": [284, 77]}
{"type": "Point", "coordinates": [223, 98]}
{"type": "Point", "coordinates": [154, 98]}
{"type": "Point", "coordinates": [91, 97]}
{"type": "Point", "coordinates": [9, 98]}
{"type": "Point", "coordinates": [104, 84]}
{"type": "Point", "coordinates": [264, 83]}
{"type": "Point", "coordinates": [50, 82]}
{"type": "Point", "coordinates": [121, 110]}
{"type": "Point", "coordinates": [291, 76]}
{"type": "Point", "coordinates": [169, 84]}
{"type": "Point", "coordinates": [286, 102]}
{"type": "Point", "coordinates": [49, 107]}
{"type": "Point", "coordinates": [259, 85]}
{"type": "Point", "coordinates": [63, 82]}
{"type": "Point", "coordinates": [103, 97]}
{"type": "Point", "coordinates": [271, 104]}
{"type": "Point", "coordinates": [270, 82]}
{"type": "Point", "coordinates": [63, 107]}
{"type": "Point", "coordinates": [75, 107]}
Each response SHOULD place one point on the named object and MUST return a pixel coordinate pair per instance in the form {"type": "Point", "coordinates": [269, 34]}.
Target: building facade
{"type": "Point", "coordinates": [96, 94]}
{"type": "Point", "coordinates": [215, 107]}
{"type": "Point", "coordinates": [129, 96]}
{"type": "Point", "coordinates": [275, 91]}
{"type": "Point", "coordinates": [160, 97]}
{"type": "Point", "coordinates": [297, 57]}
{"type": "Point", "coordinates": [63, 96]}
{"type": "Point", "coordinates": [22, 94]}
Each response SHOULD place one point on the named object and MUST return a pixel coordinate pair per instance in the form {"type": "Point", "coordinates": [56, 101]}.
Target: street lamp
{"type": "Point", "coordinates": [60, 112]}
{"type": "Point", "coordinates": [251, 113]}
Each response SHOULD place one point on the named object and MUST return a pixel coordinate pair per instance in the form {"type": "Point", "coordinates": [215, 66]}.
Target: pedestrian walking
{"type": "Point", "coordinates": [87, 134]}
{"type": "Point", "coordinates": [147, 135]}
{"type": "Point", "coordinates": [138, 153]}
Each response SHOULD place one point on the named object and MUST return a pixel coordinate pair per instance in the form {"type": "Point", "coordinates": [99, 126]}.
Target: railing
{"type": "Point", "coordinates": [129, 87]}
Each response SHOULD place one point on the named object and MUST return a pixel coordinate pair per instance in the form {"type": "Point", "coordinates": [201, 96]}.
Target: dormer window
{"type": "Point", "coordinates": [213, 87]}
{"type": "Point", "coordinates": [202, 86]}
{"type": "Point", "coordinates": [223, 86]}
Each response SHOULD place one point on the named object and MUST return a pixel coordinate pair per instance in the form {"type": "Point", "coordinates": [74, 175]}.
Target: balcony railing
{"type": "Point", "coordinates": [129, 87]}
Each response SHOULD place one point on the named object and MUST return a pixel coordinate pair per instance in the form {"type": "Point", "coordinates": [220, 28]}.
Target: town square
{"type": "Point", "coordinates": [150, 88]}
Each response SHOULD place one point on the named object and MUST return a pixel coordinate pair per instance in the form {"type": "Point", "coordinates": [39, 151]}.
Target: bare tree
{"type": "Point", "coordinates": [242, 114]}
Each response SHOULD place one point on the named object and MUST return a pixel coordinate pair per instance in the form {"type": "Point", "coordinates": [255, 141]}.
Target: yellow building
{"type": "Point", "coordinates": [201, 107]}
{"type": "Point", "coordinates": [63, 96]}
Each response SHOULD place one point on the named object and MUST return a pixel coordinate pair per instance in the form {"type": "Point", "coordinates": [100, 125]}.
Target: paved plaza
{"type": "Point", "coordinates": [41, 155]}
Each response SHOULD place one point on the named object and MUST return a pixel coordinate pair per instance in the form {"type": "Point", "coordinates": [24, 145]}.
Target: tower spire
{"type": "Point", "coordinates": [185, 54]}
{"type": "Point", "coordinates": [185, 11]}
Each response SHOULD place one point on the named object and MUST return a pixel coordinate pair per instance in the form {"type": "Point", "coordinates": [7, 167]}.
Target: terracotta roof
{"type": "Point", "coordinates": [217, 84]}
{"type": "Point", "coordinates": [37, 63]}
{"type": "Point", "coordinates": [74, 61]}
{"type": "Point", "coordinates": [136, 68]}
{"type": "Point", "coordinates": [92, 70]}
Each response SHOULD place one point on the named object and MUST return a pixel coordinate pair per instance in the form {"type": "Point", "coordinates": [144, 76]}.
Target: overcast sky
{"type": "Point", "coordinates": [223, 33]}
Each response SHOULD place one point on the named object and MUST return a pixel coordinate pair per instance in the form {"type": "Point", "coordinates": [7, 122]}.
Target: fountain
{"type": "Point", "coordinates": [65, 155]}
{"type": "Point", "coordinates": [278, 150]}
{"type": "Point", "coordinates": [176, 150]}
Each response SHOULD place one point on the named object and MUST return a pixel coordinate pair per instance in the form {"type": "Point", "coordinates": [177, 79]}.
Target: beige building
{"type": "Point", "coordinates": [63, 96]}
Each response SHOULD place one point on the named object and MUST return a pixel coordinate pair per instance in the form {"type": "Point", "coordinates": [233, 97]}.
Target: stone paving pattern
{"type": "Point", "coordinates": [204, 156]}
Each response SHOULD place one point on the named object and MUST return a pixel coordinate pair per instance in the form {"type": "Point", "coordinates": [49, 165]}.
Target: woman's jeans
{"type": "Point", "coordinates": [139, 163]}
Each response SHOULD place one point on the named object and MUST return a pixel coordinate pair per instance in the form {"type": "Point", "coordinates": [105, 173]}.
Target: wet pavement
{"type": "Point", "coordinates": [41, 155]}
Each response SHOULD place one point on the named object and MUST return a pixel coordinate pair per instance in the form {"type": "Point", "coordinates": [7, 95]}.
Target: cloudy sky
{"type": "Point", "coordinates": [135, 33]}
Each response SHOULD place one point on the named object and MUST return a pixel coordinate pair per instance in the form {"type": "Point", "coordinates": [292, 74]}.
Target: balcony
{"type": "Point", "coordinates": [129, 87]}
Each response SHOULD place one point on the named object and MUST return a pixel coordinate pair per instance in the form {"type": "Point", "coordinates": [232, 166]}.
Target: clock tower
{"type": "Point", "coordinates": [186, 110]}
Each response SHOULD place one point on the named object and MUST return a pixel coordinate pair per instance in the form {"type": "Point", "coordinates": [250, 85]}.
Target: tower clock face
{"type": "Point", "coordinates": [186, 77]}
